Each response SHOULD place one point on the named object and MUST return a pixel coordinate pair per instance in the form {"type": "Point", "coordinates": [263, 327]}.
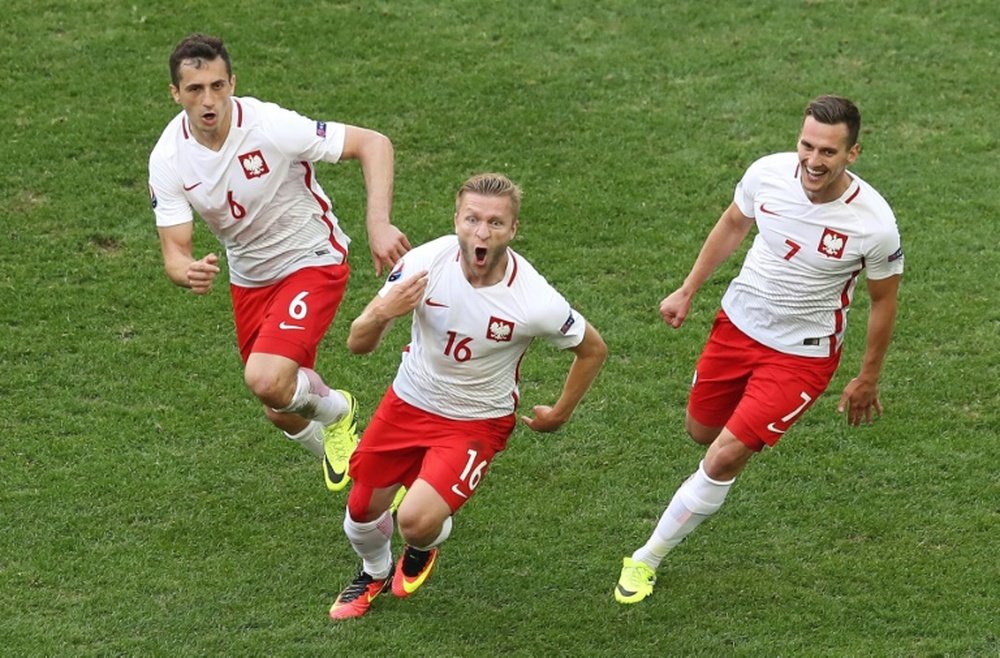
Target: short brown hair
{"type": "Point", "coordinates": [201, 48]}
{"type": "Point", "coordinates": [832, 110]}
{"type": "Point", "coordinates": [492, 185]}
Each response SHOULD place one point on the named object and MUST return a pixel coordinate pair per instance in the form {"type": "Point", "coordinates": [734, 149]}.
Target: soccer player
{"type": "Point", "coordinates": [246, 167]}
{"type": "Point", "coordinates": [777, 340]}
{"type": "Point", "coordinates": [476, 307]}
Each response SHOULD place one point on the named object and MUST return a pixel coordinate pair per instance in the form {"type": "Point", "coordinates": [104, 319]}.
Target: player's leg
{"type": "Point", "coordinates": [368, 525]}
{"type": "Point", "coordinates": [719, 383]}
{"type": "Point", "coordinates": [425, 522]}
{"type": "Point", "coordinates": [776, 395]}
{"type": "Point", "coordinates": [298, 402]}
{"type": "Point", "coordinates": [700, 496]}
{"type": "Point", "coordinates": [451, 472]}
{"type": "Point", "coordinates": [720, 378]}
{"type": "Point", "coordinates": [293, 318]}
{"type": "Point", "coordinates": [700, 433]}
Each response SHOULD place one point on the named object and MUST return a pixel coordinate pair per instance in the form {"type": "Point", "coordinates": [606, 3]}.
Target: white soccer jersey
{"type": "Point", "coordinates": [258, 194]}
{"type": "Point", "coordinates": [466, 343]}
{"type": "Point", "coordinates": [798, 279]}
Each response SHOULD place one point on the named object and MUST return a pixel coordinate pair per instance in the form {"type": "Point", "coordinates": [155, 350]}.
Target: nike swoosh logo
{"type": "Point", "coordinates": [454, 488]}
{"type": "Point", "coordinates": [188, 188]}
{"type": "Point", "coordinates": [763, 209]}
{"type": "Point", "coordinates": [331, 472]}
{"type": "Point", "coordinates": [771, 426]}
{"type": "Point", "coordinates": [285, 325]}
{"type": "Point", "coordinates": [625, 592]}
{"type": "Point", "coordinates": [411, 586]}
{"type": "Point", "coordinates": [431, 302]}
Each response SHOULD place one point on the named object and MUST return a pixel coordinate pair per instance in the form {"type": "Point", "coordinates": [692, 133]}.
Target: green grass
{"type": "Point", "coordinates": [147, 508]}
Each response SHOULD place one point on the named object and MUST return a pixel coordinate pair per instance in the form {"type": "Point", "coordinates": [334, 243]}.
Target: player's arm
{"type": "Point", "coordinates": [368, 328]}
{"type": "Point", "coordinates": [860, 396]}
{"type": "Point", "coordinates": [588, 359]}
{"type": "Point", "coordinates": [724, 238]}
{"type": "Point", "coordinates": [375, 153]}
{"type": "Point", "coordinates": [176, 243]}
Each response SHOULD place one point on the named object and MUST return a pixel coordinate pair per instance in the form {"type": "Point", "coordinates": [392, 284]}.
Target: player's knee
{"type": "Point", "coordinates": [268, 387]}
{"type": "Point", "coordinates": [699, 433]}
{"type": "Point", "coordinates": [418, 528]}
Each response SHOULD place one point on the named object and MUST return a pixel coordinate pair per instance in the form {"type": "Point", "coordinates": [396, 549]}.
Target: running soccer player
{"type": "Point", "coordinates": [777, 341]}
{"type": "Point", "coordinates": [246, 167]}
{"type": "Point", "coordinates": [476, 307]}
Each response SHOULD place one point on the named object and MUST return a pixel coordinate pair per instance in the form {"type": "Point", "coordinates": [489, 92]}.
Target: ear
{"type": "Point", "coordinates": [853, 153]}
{"type": "Point", "coordinates": [232, 82]}
{"type": "Point", "coordinates": [176, 93]}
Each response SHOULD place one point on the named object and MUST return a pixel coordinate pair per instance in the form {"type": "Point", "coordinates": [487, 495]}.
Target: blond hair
{"type": "Point", "coordinates": [491, 185]}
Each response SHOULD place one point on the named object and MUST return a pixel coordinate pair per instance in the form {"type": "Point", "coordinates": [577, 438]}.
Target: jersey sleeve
{"type": "Point", "coordinates": [747, 189]}
{"type": "Point", "coordinates": [166, 194]}
{"type": "Point", "coordinates": [558, 322]}
{"type": "Point", "coordinates": [303, 138]}
{"type": "Point", "coordinates": [885, 256]}
{"type": "Point", "coordinates": [416, 260]}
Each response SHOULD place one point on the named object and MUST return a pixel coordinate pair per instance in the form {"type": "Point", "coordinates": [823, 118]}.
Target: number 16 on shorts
{"type": "Point", "coordinates": [471, 475]}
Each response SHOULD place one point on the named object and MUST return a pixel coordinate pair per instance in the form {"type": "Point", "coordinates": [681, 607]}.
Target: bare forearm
{"type": "Point", "coordinates": [377, 159]}
{"type": "Point", "coordinates": [724, 238]}
{"type": "Point", "coordinates": [881, 320]}
{"type": "Point", "coordinates": [587, 362]}
{"type": "Point", "coordinates": [176, 269]}
{"type": "Point", "coordinates": [367, 330]}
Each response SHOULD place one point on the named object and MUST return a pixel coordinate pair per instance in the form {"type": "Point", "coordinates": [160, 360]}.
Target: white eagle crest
{"type": "Point", "coordinates": [832, 243]}
{"type": "Point", "coordinates": [254, 164]}
{"type": "Point", "coordinates": [500, 331]}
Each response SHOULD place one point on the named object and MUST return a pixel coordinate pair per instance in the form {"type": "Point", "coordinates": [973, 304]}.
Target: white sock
{"type": "Point", "coordinates": [445, 532]}
{"type": "Point", "coordinates": [315, 400]}
{"type": "Point", "coordinates": [311, 438]}
{"type": "Point", "coordinates": [698, 498]}
{"type": "Point", "coordinates": [371, 543]}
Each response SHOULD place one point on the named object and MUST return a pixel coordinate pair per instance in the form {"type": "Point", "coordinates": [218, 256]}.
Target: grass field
{"type": "Point", "coordinates": [147, 508]}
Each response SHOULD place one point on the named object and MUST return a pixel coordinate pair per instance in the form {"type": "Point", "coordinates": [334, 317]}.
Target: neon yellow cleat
{"type": "Point", "coordinates": [397, 500]}
{"type": "Point", "coordinates": [412, 570]}
{"type": "Point", "coordinates": [635, 583]}
{"type": "Point", "coordinates": [339, 440]}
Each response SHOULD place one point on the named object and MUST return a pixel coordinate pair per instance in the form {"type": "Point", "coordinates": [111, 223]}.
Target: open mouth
{"type": "Point", "coordinates": [814, 173]}
{"type": "Point", "coordinates": [480, 253]}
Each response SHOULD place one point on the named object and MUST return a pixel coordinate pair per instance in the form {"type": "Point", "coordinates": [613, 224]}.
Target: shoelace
{"type": "Point", "coordinates": [356, 588]}
{"type": "Point", "coordinates": [636, 576]}
{"type": "Point", "coordinates": [343, 443]}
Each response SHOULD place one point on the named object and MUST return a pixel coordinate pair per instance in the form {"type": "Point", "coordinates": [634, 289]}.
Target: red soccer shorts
{"type": "Point", "coordinates": [756, 392]}
{"type": "Point", "coordinates": [403, 443]}
{"type": "Point", "coordinates": [289, 318]}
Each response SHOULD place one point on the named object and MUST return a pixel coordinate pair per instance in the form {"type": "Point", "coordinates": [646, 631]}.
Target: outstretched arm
{"type": "Point", "coordinates": [588, 359]}
{"type": "Point", "coordinates": [722, 241]}
{"type": "Point", "coordinates": [181, 266]}
{"type": "Point", "coordinates": [374, 151]}
{"type": "Point", "coordinates": [368, 328]}
{"type": "Point", "coordinates": [860, 396]}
